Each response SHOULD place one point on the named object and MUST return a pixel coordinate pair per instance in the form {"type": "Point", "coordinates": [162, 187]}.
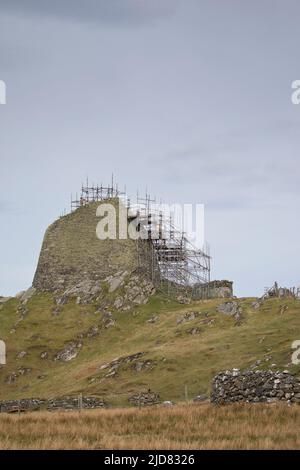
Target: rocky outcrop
{"type": "Point", "coordinates": [233, 309]}
{"type": "Point", "coordinates": [84, 292]}
{"type": "Point", "coordinates": [114, 365]}
{"type": "Point", "coordinates": [69, 352]}
{"type": "Point", "coordinates": [136, 291]}
{"type": "Point", "coordinates": [134, 362]}
{"type": "Point", "coordinates": [250, 386]}
{"type": "Point", "coordinates": [125, 291]}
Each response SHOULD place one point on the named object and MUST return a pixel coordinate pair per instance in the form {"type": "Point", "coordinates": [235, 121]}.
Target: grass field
{"type": "Point", "coordinates": [180, 427]}
{"type": "Point", "coordinates": [176, 357]}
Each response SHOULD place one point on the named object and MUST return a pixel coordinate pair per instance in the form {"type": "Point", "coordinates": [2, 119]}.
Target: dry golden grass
{"type": "Point", "coordinates": [181, 427]}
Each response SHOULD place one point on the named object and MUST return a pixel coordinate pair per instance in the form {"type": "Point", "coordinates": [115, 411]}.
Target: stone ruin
{"type": "Point", "coordinates": [281, 292]}
{"type": "Point", "coordinates": [260, 386]}
{"type": "Point", "coordinates": [74, 260]}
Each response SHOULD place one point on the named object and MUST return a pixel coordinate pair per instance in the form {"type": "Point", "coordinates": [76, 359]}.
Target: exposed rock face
{"type": "Point", "coordinates": [135, 362]}
{"type": "Point", "coordinates": [72, 254]}
{"type": "Point", "coordinates": [255, 386]}
{"type": "Point", "coordinates": [69, 352]}
{"type": "Point", "coordinates": [114, 365]}
{"type": "Point", "coordinates": [116, 281]}
{"type": "Point", "coordinates": [136, 290]}
{"type": "Point", "coordinates": [84, 292]}
{"type": "Point", "coordinates": [233, 309]}
{"type": "Point", "coordinates": [21, 354]}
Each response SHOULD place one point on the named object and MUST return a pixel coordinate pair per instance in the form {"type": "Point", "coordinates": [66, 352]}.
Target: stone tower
{"type": "Point", "coordinates": [72, 253]}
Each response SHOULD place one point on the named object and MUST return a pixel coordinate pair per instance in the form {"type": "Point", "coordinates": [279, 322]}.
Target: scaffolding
{"type": "Point", "coordinates": [164, 252]}
{"type": "Point", "coordinates": [92, 193]}
{"type": "Point", "coordinates": [174, 263]}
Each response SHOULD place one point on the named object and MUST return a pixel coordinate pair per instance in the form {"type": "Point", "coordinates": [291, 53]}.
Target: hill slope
{"type": "Point", "coordinates": [160, 345]}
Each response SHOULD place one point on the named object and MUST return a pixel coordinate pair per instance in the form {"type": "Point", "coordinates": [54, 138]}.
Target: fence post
{"type": "Point", "coordinates": [186, 393]}
{"type": "Point", "coordinates": [80, 402]}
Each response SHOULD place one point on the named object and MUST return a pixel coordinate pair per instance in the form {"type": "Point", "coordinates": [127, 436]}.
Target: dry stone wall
{"type": "Point", "coordinates": [64, 403]}
{"type": "Point", "coordinates": [250, 386]}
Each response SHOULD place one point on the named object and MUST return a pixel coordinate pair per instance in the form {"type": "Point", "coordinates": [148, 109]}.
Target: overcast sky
{"type": "Point", "coordinates": [191, 98]}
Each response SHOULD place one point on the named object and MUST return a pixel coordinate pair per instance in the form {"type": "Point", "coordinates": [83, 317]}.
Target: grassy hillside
{"type": "Point", "coordinates": [175, 354]}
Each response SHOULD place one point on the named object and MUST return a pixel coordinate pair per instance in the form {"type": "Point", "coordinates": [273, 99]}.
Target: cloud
{"type": "Point", "coordinates": [130, 12]}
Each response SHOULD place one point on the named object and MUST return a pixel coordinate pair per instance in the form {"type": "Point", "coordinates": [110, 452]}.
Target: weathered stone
{"type": "Point", "coordinates": [256, 305]}
{"type": "Point", "coordinates": [116, 281]}
{"type": "Point", "coordinates": [188, 316]}
{"type": "Point", "coordinates": [167, 404]}
{"type": "Point", "coordinates": [249, 386]}
{"type": "Point", "coordinates": [148, 398]}
{"type": "Point", "coordinates": [118, 303]}
{"type": "Point", "coordinates": [21, 354]}
{"type": "Point", "coordinates": [63, 403]}
{"type": "Point", "coordinates": [153, 319]}
{"type": "Point", "coordinates": [68, 353]}
{"type": "Point", "coordinates": [233, 309]}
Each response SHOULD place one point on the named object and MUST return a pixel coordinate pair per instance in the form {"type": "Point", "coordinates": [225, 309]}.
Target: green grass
{"type": "Point", "coordinates": [178, 358]}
